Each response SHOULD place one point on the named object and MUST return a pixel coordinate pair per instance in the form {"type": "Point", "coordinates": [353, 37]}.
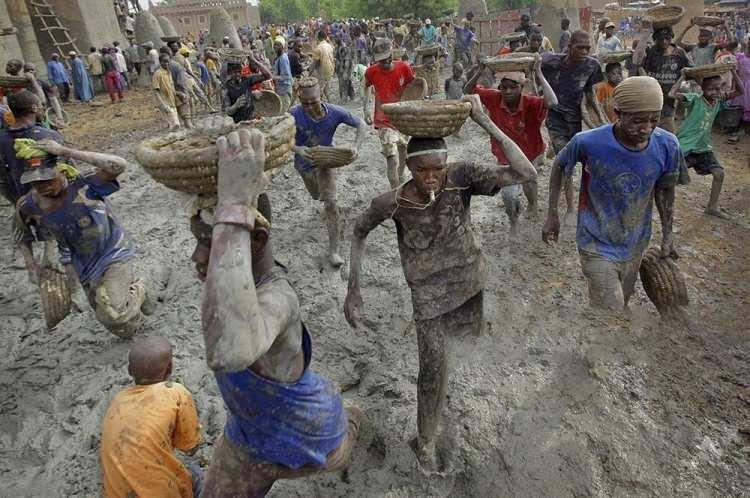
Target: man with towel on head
{"type": "Point", "coordinates": [442, 261]}
{"type": "Point", "coordinates": [626, 165]}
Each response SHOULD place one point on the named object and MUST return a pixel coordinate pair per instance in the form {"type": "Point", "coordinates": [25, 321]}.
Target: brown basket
{"type": "Point", "coordinates": [55, 293]}
{"type": "Point", "coordinates": [663, 282]}
{"type": "Point", "coordinates": [187, 160]}
{"type": "Point", "coordinates": [9, 81]}
{"type": "Point", "coordinates": [613, 57]}
{"type": "Point", "coordinates": [232, 55]}
{"type": "Point", "coordinates": [663, 16]}
{"type": "Point", "coordinates": [514, 36]}
{"type": "Point", "coordinates": [416, 90]}
{"type": "Point", "coordinates": [331, 157]}
{"type": "Point", "coordinates": [433, 49]}
{"type": "Point", "coordinates": [707, 21]}
{"type": "Point", "coordinates": [428, 118]}
{"type": "Point", "coordinates": [516, 63]}
{"type": "Point", "coordinates": [707, 71]}
{"type": "Point", "coordinates": [266, 104]}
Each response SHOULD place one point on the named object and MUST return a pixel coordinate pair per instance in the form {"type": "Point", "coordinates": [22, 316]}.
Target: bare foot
{"type": "Point", "coordinates": [335, 259]}
{"type": "Point", "coordinates": [532, 212]}
{"type": "Point", "coordinates": [425, 454]}
{"type": "Point", "coordinates": [716, 212]}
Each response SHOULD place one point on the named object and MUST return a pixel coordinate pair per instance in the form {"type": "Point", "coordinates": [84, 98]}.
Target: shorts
{"type": "Point", "coordinates": [391, 140]}
{"type": "Point", "coordinates": [561, 132]}
{"type": "Point", "coordinates": [702, 162]}
{"type": "Point", "coordinates": [611, 283]}
{"type": "Point", "coordinates": [320, 183]}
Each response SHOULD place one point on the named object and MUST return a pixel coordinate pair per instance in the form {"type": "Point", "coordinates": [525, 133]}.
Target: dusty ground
{"type": "Point", "coordinates": [554, 400]}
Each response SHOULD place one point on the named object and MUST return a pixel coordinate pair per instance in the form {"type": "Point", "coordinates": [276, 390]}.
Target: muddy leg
{"type": "Point", "coordinates": [334, 230]}
{"type": "Point", "coordinates": [512, 206]}
{"type": "Point", "coordinates": [530, 190]}
{"type": "Point", "coordinates": [713, 201]}
{"type": "Point", "coordinates": [394, 171]}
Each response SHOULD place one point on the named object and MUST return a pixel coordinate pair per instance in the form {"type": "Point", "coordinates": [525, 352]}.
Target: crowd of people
{"type": "Point", "coordinates": [283, 420]}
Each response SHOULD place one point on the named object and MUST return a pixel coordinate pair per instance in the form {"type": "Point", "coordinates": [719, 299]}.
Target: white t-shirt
{"type": "Point", "coordinates": [122, 66]}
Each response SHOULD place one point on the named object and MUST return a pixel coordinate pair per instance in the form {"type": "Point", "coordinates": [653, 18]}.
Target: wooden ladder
{"type": "Point", "coordinates": [51, 24]}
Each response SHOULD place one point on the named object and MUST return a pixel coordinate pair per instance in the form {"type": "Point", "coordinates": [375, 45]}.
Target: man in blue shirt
{"type": "Point", "coordinates": [428, 32]}
{"type": "Point", "coordinates": [59, 76]}
{"type": "Point", "coordinates": [316, 124]}
{"type": "Point", "coordinates": [625, 167]}
{"type": "Point", "coordinates": [282, 73]}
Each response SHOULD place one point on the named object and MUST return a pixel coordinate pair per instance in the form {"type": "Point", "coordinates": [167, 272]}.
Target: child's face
{"type": "Point", "coordinates": [428, 171]}
{"type": "Point", "coordinates": [457, 73]}
{"type": "Point", "coordinates": [614, 76]}
{"type": "Point", "coordinates": [711, 89]}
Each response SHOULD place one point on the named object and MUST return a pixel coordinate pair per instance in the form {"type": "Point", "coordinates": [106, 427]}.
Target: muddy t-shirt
{"type": "Point", "coordinates": [666, 70]}
{"type": "Point", "coordinates": [442, 261]}
{"type": "Point", "coordinates": [569, 84]}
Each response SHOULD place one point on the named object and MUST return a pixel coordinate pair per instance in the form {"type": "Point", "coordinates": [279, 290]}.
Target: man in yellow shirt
{"type": "Point", "coordinates": [164, 93]}
{"type": "Point", "coordinates": [325, 65]}
{"type": "Point", "coordinates": [143, 425]}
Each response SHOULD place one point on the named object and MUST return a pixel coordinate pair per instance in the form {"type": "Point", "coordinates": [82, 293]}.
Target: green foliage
{"type": "Point", "coordinates": [299, 10]}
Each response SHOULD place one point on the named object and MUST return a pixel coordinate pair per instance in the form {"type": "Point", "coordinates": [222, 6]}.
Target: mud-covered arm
{"type": "Point", "coordinates": [237, 328]}
{"type": "Point", "coordinates": [674, 91]}
{"type": "Point", "coordinates": [590, 102]}
{"type": "Point", "coordinates": [471, 85]}
{"type": "Point", "coordinates": [550, 98]}
{"type": "Point", "coordinates": [678, 41]}
{"type": "Point", "coordinates": [520, 169]}
{"type": "Point", "coordinates": [366, 113]}
{"type": "Point", "coordinates": [664, 198]}
{"type": "Point", "coordinates": [642, 36]}
{"type": "Point", "coordinates": [110, 166]}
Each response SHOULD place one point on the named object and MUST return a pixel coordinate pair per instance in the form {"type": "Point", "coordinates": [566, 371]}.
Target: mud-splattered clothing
{"type": "Point", "coordinates": [666, 69]}
{"type": "Point", "coordinates": [85, 226]}
{"type": "Point", "coordinates": [569, 84]}
{"type": "Point", "coordinates": [311, 132]}
{"type": "Point", "coordinates": [617, 189]}
{"type": "Point", "coordinates": [695, 133]}
{"type": "Point", "coordinates": [233, 90]}
{"type": "Point", "coordinates": [442, 261]}
{"type": "Point", "coordinates": [143, 425]}
{"type": "Point", "coordinates": [12, 167]}
{"type": "Point", "coordinates": [290, 424]}
{"type": "Point", "coordinates": [389, 85]}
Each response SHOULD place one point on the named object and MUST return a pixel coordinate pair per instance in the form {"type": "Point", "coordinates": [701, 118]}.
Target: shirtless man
{"type": "Point", "coordinates": [442, 262]}
{"type": "Point", "coordinates": [316, 124]}
{"type": "Point", "coordinates": [283, 420]}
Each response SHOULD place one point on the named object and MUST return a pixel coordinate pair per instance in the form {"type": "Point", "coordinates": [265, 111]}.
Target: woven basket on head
{"type": "Point", "coordinates": [707, 71]}
{"type": "Point", "coordinates": [663, 282]}
{"type": "Point", "coordinates": [707, 21]}
{"type": "Point", "coordinates": [425, 50]}
{"type": "Point", "coordinates": [170, 39]}
{"type": "Point", "coordinates": [503, 64]}
{"type": "Point", "coordinates": [9, 81]}
{"type": "Point", "coordinates": [55, 293]}
{"type": "Point", "coordinates": [232, 55]}
{"type": "Point", "coordinates": [266, 103]}
{"type": "Point", "coordinates": [663, 16]}
{"type": "Point", "coordinates": [428, 118]}
{"type": "Point", "coordinates": [514, 36]}
{"type": "Point", "coordinates": [331, 157]}
{"type": "Point", "coordinates": [416, 90]}
{"type": "Point", "coordinates": [612, 57]}
{"type": "Point", "coordinates": [187, 160]}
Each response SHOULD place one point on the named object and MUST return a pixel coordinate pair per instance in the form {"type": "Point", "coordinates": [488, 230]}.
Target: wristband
{"type": "Point", "coordinates": [235, 214]}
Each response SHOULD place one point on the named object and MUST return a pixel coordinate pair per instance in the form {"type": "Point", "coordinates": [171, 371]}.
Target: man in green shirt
{"type": "Point", "coordinates": [695, 133]}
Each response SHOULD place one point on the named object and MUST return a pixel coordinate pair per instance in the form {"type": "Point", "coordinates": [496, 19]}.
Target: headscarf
{"type": "Point", "coordinates": [638, 94]}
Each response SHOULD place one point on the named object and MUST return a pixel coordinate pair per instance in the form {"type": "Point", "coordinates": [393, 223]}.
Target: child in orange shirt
{"type": "Point", "coordinates": [605, 89]}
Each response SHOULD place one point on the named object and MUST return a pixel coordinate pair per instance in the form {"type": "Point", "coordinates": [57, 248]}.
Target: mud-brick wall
{"type": "Point", "coordinates": [9, 46]}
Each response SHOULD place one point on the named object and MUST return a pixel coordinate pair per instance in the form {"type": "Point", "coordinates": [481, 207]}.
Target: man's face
{"type": "Point", "coordinates": [49, 188]}
{"type": "Point", "coordinates": [278, 48]}
{"type": "Point", "coordinates": [535, 43]}
{"type": "Point", "coordinates": [164, 62]}
{"type": "Point", "coordinates": [387, 64]}
{"type": "Point", "coordinates": [511, 91]}
{"type": "Point", "coordinates": [703, 38]}
{"type": "Point", "coordinates": [428, 172]}
{"type": "Point", "coordinates": [614, 76]}
{"type": "Point", "coordinates": [711, 89]}
{"type": "Point", "coordinates": [579, 48]}
{"type": "Point", "coordinates": [638, 126]}
{"type": "Point", "coordinates": [309, 99]}
{"type": "Point", "coordinates": [609, 31]}
{"type": "Point", "coordinates": [662, 41]}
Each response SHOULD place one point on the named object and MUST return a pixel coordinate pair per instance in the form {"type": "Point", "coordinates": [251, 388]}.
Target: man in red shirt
{"type": "Point", "coordinates": [389, 79]}
{"type": "Point", "coordinates": [520, 116]}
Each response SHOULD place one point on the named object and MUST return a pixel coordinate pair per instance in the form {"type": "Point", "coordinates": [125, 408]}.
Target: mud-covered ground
{"type": "Point", "coordinates": [553, 400]}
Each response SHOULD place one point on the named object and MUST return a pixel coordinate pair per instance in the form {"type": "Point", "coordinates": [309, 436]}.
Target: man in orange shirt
{"type": "Point", "coordinates": [144, 424]}
{"type": "Point", "coordinates": [606, 89]}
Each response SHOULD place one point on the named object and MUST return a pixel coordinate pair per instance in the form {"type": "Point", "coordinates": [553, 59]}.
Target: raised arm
{"type": "Point", "coordinates": [110, 166]}
{"type": "Point", "coordinates": [262, 69]}
{"type": "Point", "coordinates": [471, 86]}
{"type": "Point", "coordinates": [550, 99]}
{"type": "Point", "coordinates": [520, 169]}
{"type": "Point", "coordinates": [678, 41]}
{"type": "Point", "coordinates": [673, 92]}
{"type": "Point", "coordinates": [237, 328]}
{"type": "Point", "coordinates": [642, 36]}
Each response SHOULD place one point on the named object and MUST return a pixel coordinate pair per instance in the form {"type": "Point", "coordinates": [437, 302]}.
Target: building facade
{"type": "Point", "coordinates": [195, 15]}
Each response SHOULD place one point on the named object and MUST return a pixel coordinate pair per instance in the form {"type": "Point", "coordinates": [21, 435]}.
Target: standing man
{"type": "Point", "coordinates": [572, 76]}
{"type": "Point", "coordinates": [609, 42]}
{"type": "Point", "coordinates": [465, 43]}
{"type": "Point", "coordinates": [164, 93]}
{"type": "Point", "coordinates": [324, 64]}
{"type": "Point", "coordinates": [84, 90]}
{"type": "Point", "coordinates": [282, 74]}
{"type": "Point", "coordinates": [316, 125]}
{"type": "Point", "coordinates": [59, 76]}
{"type": "Point", "coordinates": [626, 166]}
{"type": "Point", "coordinates": [144, 424]}
{"type": "Point", "coordinates": [283, 420]}
{"type": "Point", "coordinates": [564, 35]}
{"type": "Point", "coordinates": [94, 60]}
{"type": "Point", "coordinates": [152, 58]}
{"type": "Point", "coordinates": [122, 64]}
{"type": "Point", "coordinates": [388, 79]}
{"type": "Point", "coordinates": [112, 79]}
{"type": "Point", "coordinates": [519, 116]}
{"type": "Point", "coordinates": [525, 26]}
{"type": "Point", "coordinates": [237, 96]}
{"type": "Point", "coordinates": [442, 261]}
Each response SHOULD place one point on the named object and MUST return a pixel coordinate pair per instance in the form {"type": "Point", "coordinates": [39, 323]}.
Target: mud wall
{"type": "Point", "coordinates": [23, 43]}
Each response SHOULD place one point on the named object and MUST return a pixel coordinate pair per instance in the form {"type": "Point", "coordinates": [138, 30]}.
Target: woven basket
{"type": "Point", "coordinates": [424, 51]}
{"type": "Point", "coordinates": [699, 72]}
{"type": "Point", "coordinates": [663, 16]}
{"type": "Point", "coordinates": [707, 21]}
{"type": "Point", "coordinates": [515, 36]}
{"type": "Point", "coordinates": [330, 157]}
{"type": "Point", "coordinates": [9, 81]}
{"type": "Point", "coordinates": [55, 293]}
{"type": "Point", "coordinates": [516, 63]}
{"type": "Point", "coordinates": [428, 118]}
{"type": "Point", "coordinates": [232, 55]}
{"type": "Point", "coordinates": [187, 160]}
{"type": "Point", "coordinates": [416, 90]}
{"type": "Point", "coordinates": [663, 282]}
{"type": "Point", "coordinates": [170, 39]}
{"type": "Point", "coordinates": [266, 104]}
{"type": "Point", "coordinates": [613, 57]}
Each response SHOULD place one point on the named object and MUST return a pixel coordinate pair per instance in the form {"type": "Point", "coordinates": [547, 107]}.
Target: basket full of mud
{"type": "Point", "coordinates": [517, 63]}
{"type": "Point", "coordinates": [428, 118]}
{"type": "Point", "coordinates": [330, 157]}
{"type": "Point", "coordinates": [187, 160]}
{"type": "Point", "coordinates": [614, 57]}
{"type": "Point", "coordinates": [663, 282]}
{"type": "Point", "coordinates": [709, 70]}
{"type": "Point", "coordinates": [708, 21]}
{"type": "Point", "coordinates": [663, 16]}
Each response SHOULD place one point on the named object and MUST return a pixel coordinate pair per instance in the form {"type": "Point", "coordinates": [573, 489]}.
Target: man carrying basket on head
{"type": "Point", "coordinates": [441, 259]}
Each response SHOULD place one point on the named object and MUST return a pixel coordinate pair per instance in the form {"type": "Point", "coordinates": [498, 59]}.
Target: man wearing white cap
{"type": "Point", "coordinates": [520, 116]}
{"type": "Point", "coordinates": [609, 42]}
{"type": "Point", "coordinates": [389, 79]}
{"type": "Point", "coordinates": [428, 32]}
{"type": "Point", "coordinates": [626, 166]}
